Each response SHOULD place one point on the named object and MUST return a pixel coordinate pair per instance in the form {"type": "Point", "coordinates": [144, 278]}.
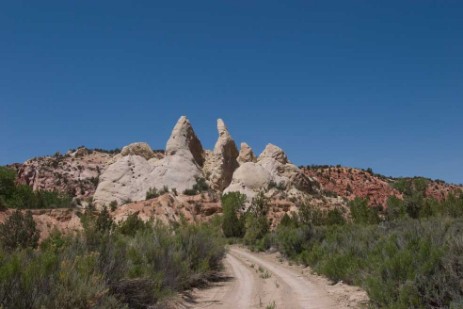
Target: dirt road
{"type": "Point", "coordinates": [256, 280]}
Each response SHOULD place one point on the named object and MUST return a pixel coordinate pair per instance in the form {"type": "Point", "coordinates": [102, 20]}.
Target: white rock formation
{"type": "Point", "coordinates": [221, 163]}
{"type": "Point", "coordinates": [184, 142]}
{"type": "Point", "coordinates": [140, 149]}
{"type": "Point", "coordinates": [246, 154]}
{"type": "Point", "coordinates": [137, 169]}
{"type": "Point", "coordinates": [272, 167]}
{"type": "Point", "coordinates": [132, 175]}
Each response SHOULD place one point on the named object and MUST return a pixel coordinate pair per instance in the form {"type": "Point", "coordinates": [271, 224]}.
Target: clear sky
{"type": "Point", "coordinates": [359, 83]}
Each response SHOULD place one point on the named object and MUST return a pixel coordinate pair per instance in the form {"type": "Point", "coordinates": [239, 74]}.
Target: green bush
{"type": "Point", "coordinates": [256, 222]}
{"type": "Point", "coordinates": [7, 182]}
{"type": "Point", "coordinates": [19, 231]}
{"type": "Point", "coordinates": [132, 225]}
{"type": "Point", "coordinates": [20, 196]}
{"type": "Point", "coordinates": [152, 193]}
{"type": "Point", "coordinates": [232, 226]}
{"type": "Point", "coordinates": [406, 263]}
{"type": "Point", "coordinates": [200, 186]}
{"type": "Point", "coordinates": [126, 268]}
{"type": "Point", "coordinates": [362, 213]}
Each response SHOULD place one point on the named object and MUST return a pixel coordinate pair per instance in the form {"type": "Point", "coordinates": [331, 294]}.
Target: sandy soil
{"type": "Point", "coordinates": [263, 280]}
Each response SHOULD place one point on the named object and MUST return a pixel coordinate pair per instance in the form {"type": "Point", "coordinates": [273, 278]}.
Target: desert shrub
{"type": "Point", "coordinates": [232, 226]}
{"type": "Point", "coordinates": [406, 263]}
{"type": "Point", "coordinates": [190, 192]}
{"type": "Point", "coordinates": [395, 209]}
{"type": "Point", "coordinates": [97, 269]}
{"type": "Point", "coordinates": [19, 231]}
{"type": "Point", "coordinates": [311, 215]}
{"type": "Point", "coordinates": [334, 217]}
{"type": "Point", "coordinates": [152, 193]}
{"type": "Point", "coordinates": [256, 222]}
{"type": "Point", "coordinates": [132, 225]}
{"type": "Point", "coordinates": [361, 213]}
{"type": "Point", "coordinates": [23, 197]}
{"type": "Point", "coordinates": [3, 205]}
{"type": "Point", "coordinates": [113, 205]}
{"type": "Point", "coordinates": [7, 182]}
{"type": "Point", "coordinates": [104, 222]}
{"type": "Point", "coordinates": [200, 186]}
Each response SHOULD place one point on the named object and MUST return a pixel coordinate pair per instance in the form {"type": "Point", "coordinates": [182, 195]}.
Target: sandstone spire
{"type": "Point", "coordinates": [273, 152]}
{"type": "Point", "coordinates": [184, 139]}
{"type": "Point", "coordinates": [221, 163]}
{"type": "Point", "coordinates": [246, 154]}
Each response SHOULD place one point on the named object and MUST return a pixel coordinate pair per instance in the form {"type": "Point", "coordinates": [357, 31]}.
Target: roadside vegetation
{"type": "Point", "coordinates": [406, 256]}
{"type": "Point", "coordinates": [13, 195]}
{"type": "Point", "coordinates": [129, 265]}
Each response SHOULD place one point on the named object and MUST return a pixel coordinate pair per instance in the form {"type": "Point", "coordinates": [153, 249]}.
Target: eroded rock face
{"type": "Point", "coordinates": [246, 154]}
{"type": "Point", "coordinates": [272, 171]}
{"type": "Point", "coordinates": [250, 178]}
{"type": "Point", "coordinates": [139, 149]}
{"type": "Point", "coordinates": [75, 173]}
{"type": "Point", "coordinates": [125, 180]}
{"type": "Point", "coordinates": [221, 163]}
{"type": "Point", "coordinates": [184, 142]}
{"type": "Point", "coordinates": [131, 176]}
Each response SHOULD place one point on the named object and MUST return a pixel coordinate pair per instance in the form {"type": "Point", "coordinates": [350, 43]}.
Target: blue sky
{"type": "Point", "coordinates": [359, 83]}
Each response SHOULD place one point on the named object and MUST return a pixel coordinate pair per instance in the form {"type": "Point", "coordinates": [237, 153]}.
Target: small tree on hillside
{"type": "Point", "coordinates": [361, 213]}
{"type": "Point", "coordinates": [231, 203]}
{"type": "Point", "coordinates": [256, 219]}
{"type": "Point", "coordinates": [19, 231]}
{"type": "Point", "coordinates": [104, 222]}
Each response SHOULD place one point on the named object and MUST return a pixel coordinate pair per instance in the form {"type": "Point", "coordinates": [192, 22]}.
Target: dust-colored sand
{"type": "Point", "coordinates": [257, 280]}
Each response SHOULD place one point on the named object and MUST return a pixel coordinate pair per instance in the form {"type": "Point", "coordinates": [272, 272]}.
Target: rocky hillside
{"type": "Point", "coordinates": [187, 180]}
{"type": "Point", "coordinates": [350, 183]}
{"type": "Point", "coordinates": [186, 164]}
{"type": "Point", "coordinates": [76, 173]}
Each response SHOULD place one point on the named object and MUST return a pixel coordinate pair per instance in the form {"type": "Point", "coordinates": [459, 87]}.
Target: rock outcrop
{"type": "Point", "coordinates": [272, 171]}
{"type": "Point", "coordinates": [139, 149]}
{"type": "Point", "coordinates": [221, 163]}
{"type": "Point", "coordinates": [184, 142]}
{"type": "Point", "coordinates": [246, 154]}
{"type": "Point", "coordinates": [75, 173]}
{"type": "Point", "coordinates": [131, 176]}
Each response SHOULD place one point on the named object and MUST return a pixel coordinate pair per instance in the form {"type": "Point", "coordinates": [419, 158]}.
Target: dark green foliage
{"type": "Point", "coordinates": [190, 192]}
{"type": "Point", "coordinates": [198, 187]}
{"type": "Point", "coordinates": [232, 226]}
{"type": "Point", "coordinates": [201, 185]}
{"type": "Point", "coordinates": [407, 264]}
{"type": "Point", "coordinates": [395, 209]}
{"type": "Point", "coordinates": [311, 215]}
{"type": "Point", "coordinates": [416, 205]}
{"type": "Point", "coordinates": [132, 225]}
{"type": "Point", "coordinates": [19, 231]}
{"type": "Point", "coordinates": [361, 213]}
{"type": "Point", "coordinates": [411, 186]}
{"type": "Point", "coordinates": [104, 222]}
{"type": "Point", "coordinates": [334, 217]}
{"type": "Point", "coordinates": [256, 223]}
{"type": "Point", "coordinates": [152, 193]}
{"type": "Point", "coordinates": [7, 182]}
{"type": "Point", "coordinates": [3, 205]}
{"type": "Point", "coordinates": [97, 269]}
{"type": "Point", "coordinates": [113, 205]}
{"type": "Point", "coordinates": [286, 220]}
{"type": "Point", "coordinates": [23, 197]}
